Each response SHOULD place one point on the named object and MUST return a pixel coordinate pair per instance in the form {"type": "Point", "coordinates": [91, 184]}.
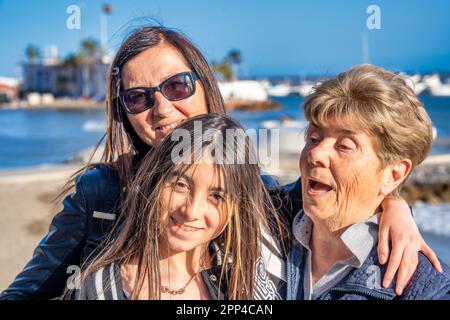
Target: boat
{"type": "Point", "coordinates": [279, 90]}
{"type": "Point", "coordinates": [243, 89]}
{"type": "Point", "coordinates": [303, 89]}
{"type": "Point", "coordinates": [441, 91]}
{"type": "Point", "coordinates": [436, 87]}
{"type": "Point", "coordinates": [432, 80]}
{"type": "Point", "coordinates": [290, 134]}
{"type": "Point", "coordinates": [415, 82]}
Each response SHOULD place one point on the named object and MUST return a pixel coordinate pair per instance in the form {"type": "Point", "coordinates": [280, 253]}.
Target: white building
{"type": "Point", "coordinates": [66, 79]}
{"type": "Point", "coordinates": [243, 90]}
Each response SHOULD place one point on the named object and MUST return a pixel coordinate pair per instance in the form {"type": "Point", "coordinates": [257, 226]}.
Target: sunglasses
{"type": "Point", "coordinates": [177, 87]}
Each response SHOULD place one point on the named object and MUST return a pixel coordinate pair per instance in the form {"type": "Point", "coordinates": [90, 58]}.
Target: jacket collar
{"type": "Point", "coordinates": [360, 238]}
{"type": "Point", "coordinates": [217, 289]}
{"type": "Point", "coordinates": [367, 279]}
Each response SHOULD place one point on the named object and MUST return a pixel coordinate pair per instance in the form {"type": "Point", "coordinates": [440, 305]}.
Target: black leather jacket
{"type": "Point", "coordinates": [79, 229]}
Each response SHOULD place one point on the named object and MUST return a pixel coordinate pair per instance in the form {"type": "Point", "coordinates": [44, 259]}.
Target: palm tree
{"type": "Point", "coordinates": [32, 53]}
{"type": "Point", "coordinates": [235, 59]}
{"type": "Point", "coordinates": [224, 69]}
{"type": "Point", "coordinates": [72, 62]}
{"type": "Point", "coordinates": [90, 51]}
{"type": "Point", "coordinates": [235, 56]}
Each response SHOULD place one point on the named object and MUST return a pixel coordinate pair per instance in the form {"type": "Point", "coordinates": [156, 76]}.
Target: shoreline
{"type": "Point", "coordinates": [83, 104]}
{"type": "Point", "coordinates": [59, 104]}
{"type": "Point", "coordinates": [44, 173]}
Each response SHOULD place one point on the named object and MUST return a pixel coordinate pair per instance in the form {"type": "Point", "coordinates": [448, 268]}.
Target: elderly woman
{"type": "Point", "coordinates": [367, 131]}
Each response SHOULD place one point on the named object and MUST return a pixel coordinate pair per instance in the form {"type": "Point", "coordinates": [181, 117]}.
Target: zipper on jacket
{"type": "Point", "coordinates": [369, 293]}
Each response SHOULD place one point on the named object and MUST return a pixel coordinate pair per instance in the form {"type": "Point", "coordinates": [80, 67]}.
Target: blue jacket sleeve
{"type": "Point", "coordinates": [445, 297]}
{"type": "Point", "coordinates": [45, 275]}
{"type": "Point", "coordinates": [269, 181]}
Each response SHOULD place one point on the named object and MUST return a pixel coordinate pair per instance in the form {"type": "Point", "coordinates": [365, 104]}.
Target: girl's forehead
{"type": "Point", "coordinates": [202, 173]}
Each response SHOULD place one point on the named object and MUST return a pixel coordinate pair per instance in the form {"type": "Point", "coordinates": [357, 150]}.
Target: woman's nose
{"type": "Point", "coordinates": [319, 155]}
{"type": "Point", "coordinates": [163, 107]}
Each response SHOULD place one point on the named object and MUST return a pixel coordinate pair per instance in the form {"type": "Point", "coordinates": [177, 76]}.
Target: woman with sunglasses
{"type": "Point", "coordinates": [158, 79]}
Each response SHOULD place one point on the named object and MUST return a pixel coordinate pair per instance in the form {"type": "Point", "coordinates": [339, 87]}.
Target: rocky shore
{"type": "Point", "coordinates": [250, 105]}
{"type": "Point", "coordinates": [56, 104]}
{"type": "Point", "coordinates": [230, 105]}
{"type": "Point", "coordinates": [429, 182]}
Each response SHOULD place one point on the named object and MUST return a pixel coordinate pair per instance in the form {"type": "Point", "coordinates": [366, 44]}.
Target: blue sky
{"type": "Point", "coordinates": [276, 37]}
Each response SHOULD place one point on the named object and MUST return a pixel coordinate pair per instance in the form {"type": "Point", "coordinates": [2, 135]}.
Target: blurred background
{"type": "Point", "coordinates": [268, 55]}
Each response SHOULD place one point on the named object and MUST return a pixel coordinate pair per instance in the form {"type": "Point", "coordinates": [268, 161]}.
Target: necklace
{"type": "Point", "coordinates": [166, 289]}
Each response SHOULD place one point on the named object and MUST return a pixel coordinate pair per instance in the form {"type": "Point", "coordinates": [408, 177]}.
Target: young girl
{"type": "Point", "coordinates": [193, 225]}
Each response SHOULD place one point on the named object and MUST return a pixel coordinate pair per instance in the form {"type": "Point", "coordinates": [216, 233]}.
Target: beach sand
{"type": "Point", "coordinates": [27, 209]}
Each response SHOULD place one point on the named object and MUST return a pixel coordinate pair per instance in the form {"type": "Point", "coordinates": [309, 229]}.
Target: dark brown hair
{"type": "Point", "coordinates": [122, 142]}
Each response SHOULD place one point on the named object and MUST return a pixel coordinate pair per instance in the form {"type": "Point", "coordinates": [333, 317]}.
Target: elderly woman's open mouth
{"type": "Point", "coordinates": [317, 188]}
